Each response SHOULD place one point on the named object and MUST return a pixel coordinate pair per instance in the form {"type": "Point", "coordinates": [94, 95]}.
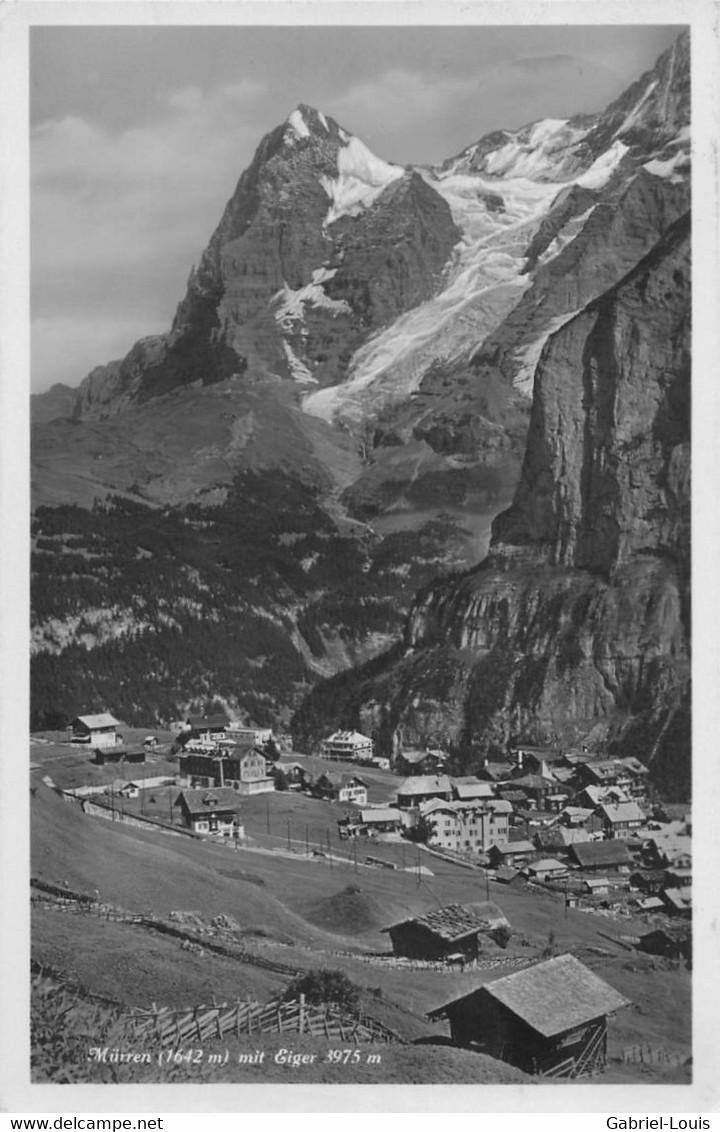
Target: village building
{"type": "Point", "coordinates": [245, 771]}
{"type": "Point", "coordinates": [204, 732]}
{"type": "Point", "coordinates": [424, 788]}
{"type": "Point", "coordinates": [585, 818]}
{"type": "Point", "coordinates": [621, 819]}
{"type": "Point", "coordinates": [447, 933]}
{"type": "Point", "coordinates": [538, 760]}
{"type": "Point", "coordinates": [104, 755]}
{"type": "Point", "coordinates": [466, 790]}
{"type": "Point", "coordinates": [98, 731]}
{"type": "Point", "coordinates": [465, 827]}
{"type": "Point", "coordinates": [337, 788]}
{"type": "Point", "coordinates": [212, 811]}
{"type": "Point", "coordinates": [648, 904]}
{"type": "Point", "coordinates": [414, 762]}
{"type": "Point", "coordinates": [669, 851]}
{"type": "Point", "coordinates": [347, 745]}
{"type": "Point", "coordinates": [506, 874]}
{"type": "Point", "coordinates": [548, 868]}
{"type": "Point", "coordinates": [512, 853]}
{"type": "Point", "coordinates": [611, 856]}
{"type": "Point", "coordinates": [595, 886]}
{"type": "Point", "coordinates": [673, 941]}
{"type": "Point", "coordinates": [495, 772]}
{"type": "Point", "coordinates": [250, 736]}
{"type": "Point", "coordinates": [678, 901]}
{"type": "Point", "coordinates": [375, 821]}
{"type": "Point", "coordinates": [539, 790]}
{"type": "Point", "coordinates": [548, 1019]}
{"type": "Point", "coordinates": [594, 796]}
{"type": "Point", "coordinates": [677, 878]}
{"type": "Point", "coordinates": [297, 777]}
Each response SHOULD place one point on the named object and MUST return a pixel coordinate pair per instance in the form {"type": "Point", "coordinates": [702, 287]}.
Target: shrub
{"type": "Point", "coordinates": [322, 986]}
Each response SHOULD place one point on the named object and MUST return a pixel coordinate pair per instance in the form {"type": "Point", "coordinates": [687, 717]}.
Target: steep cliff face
{"type": "Point", "coordinates": [320, 244]}
{"type": "Point", "coordinates": [576, 626]}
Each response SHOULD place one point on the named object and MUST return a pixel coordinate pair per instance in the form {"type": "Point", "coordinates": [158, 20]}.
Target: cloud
{"type": "Point", "coordinates": [125, 214]}
{"type": "Point", "coordinates": [66, 349]}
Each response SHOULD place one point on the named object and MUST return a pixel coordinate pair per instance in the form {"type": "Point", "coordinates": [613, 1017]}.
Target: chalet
{"type": "Point", "coordinates": [335, 788]}
{"type": "Point", "coordinates": [245, 770]}
{"type": "Point", "coordinates": [495, 772]}
{"type": "Point", "coordinates": [678, 901]}
{"type": "Point", "coordinates": [297, 776]}
{"type": "Point", "coordinates": [446, 932]}
{"type": "Point", "coordinates": [548, 1019]}
{"type": "Point", "coordinates": [346, 745]}
{"type": "Point", "coordinates": [512, 853]}
{"type": "Point", "coordinates": [649, 904]}
{"type": "Point", "coordinates": [467, 791]}
{"type": "Point", "coordinates": [98, 731]}
{"type": "Point", "coordinates": [547, 869]}
{"type": "Point", "coordinates": [605, 855]}
{"type": "Point", "coordinates": [538, 760]}
{"type": "Point", "coordinates": [424, 788]}
{"type": "Point", "coordinates": [104, 755]}
{"type": "Point", "coordinates": [621, 819]}
{"type": "Point", "coordinates": [506, 874]}
{"type": "Point", "coordinates": [378, 821]}
{"type": "Point", "coordinates": [581, 817]}
{"type": "Point", "coordinates": [648, 880]}
{"type": "Point", "coordinates": [595, 886]}
{"type": "Point", "coordinates": [205, 731]}
{"type": "Point", "coordinates": [210, 811]}
{"type": "Point", "coordinates": [421, 762]}
{"type": "Point", "coordinates": [673, 941]}
{"type": "Point", "coordinates": [465, 827]}
{"type": "Point", "coordinates": [627, 774]}
{"type": "Point", "coordinates": [594, 796]}
{"type": "Point", "coordinates": [537, 789]}
{"type": "Point", "coordinates": [559, 837]}
{"type": "Point", "coordinates": [677, 878]}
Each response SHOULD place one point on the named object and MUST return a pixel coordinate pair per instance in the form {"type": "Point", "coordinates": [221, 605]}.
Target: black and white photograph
{"type": "Point", "coordinates": [360, 706]}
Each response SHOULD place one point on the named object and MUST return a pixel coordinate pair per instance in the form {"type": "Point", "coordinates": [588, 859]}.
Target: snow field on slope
{"type": "Point", "coordinates": [484, 284]}
{"type": "Point", "coordinates": [361, 178]}
{"type": "Point", "coordinates": [291, 304]}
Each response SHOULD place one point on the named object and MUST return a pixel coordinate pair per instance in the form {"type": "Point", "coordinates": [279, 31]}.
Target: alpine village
{"type": "Point", "coordinates": [360, 678]}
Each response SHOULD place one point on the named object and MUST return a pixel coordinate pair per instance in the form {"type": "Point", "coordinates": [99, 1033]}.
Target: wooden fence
{"type": "Point", "coordinates": [197, 1024]}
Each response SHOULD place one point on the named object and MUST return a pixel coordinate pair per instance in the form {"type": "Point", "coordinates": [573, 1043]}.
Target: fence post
{"type": "Point", "coordinates": [301, 1021]}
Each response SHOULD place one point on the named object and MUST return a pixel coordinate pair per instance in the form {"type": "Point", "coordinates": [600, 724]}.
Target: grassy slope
{"type": "Point", "coordinates": [288, 897]}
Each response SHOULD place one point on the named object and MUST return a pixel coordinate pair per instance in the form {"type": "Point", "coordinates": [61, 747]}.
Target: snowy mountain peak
{"type": "Point", "coordinates": [361, 177]}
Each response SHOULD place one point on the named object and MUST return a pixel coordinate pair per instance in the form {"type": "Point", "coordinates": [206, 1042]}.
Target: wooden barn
{"type": "Point", "coordinates": [549, 1019]}
{"type": "Point", "coordinates": [455, 930]}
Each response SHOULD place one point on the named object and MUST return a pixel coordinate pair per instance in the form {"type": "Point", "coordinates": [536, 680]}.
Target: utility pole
{"type": "Point", "coordinates": [288, 835]}
{"type": "Point", "coordinates": [327, 831]}
{"type": "Point", "coordinates": [267, 815]}
{"type": "Point", "coordinates": [307, 842]}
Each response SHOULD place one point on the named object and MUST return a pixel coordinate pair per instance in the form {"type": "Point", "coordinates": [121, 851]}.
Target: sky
{"type": "Point", "coordinates": [139, 135]}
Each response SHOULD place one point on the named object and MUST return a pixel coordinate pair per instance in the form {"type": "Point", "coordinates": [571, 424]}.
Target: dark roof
{"type": "Point", "coordinates": [553, 996]}
{"type": "Point", "coordinates": [590, 853]}
{"type": "Point", "coordinates": [507, 848]}
{"type": "Point", "coordinates": [455, 921]}
{"type": "Point", "coordinates": [208, 800]}
{"type": "Point", "coordinates": [213, 722]}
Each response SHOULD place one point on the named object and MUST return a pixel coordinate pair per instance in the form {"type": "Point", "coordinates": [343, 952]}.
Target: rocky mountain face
{"type": "Point", "coordinates": [374, 333]}
{"type": "Point", "coordinates": [576, 627]}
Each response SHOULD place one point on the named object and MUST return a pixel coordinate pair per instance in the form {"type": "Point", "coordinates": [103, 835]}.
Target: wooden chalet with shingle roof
{"type": "Point", "coordinates": [95, 730]}
{"type": "Point", "coordinates": [603, 855]}
{"type": "Point", "coordinates": [548, 1019]}
{"type": "Point", "coordinates": [423, 788]}
{"type": "Point", "coordinates": [455, 930]}
{"type": "Point", "coordinates": [214, 810]}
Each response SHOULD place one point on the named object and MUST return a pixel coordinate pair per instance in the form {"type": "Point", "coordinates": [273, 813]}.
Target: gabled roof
{"type": "Point", "coordinates": [466, 790]}
{"type": "Point", "coordinates": [94, 722]}
{"type": "Point", "coordinates": [455, 921]}
{"type": "Point", "coordinates": [546, 865]}
{"type": "Point", "coordinates": [217, 722]}
{"type": "Point", "coordinates": [379, 814]}
{"type": "Point", "coordinates": [426, 784]}
{"type": "Point", "coordinates": [550, 997]}
{"type": "Point", "coordinates": [209, 800]}
{"type": "Point", "coordinates": [592, 853]}
{"type": "Point", "coordinates": [622, 811]}
{"type": "Point", "coordinates": [507, 848]}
